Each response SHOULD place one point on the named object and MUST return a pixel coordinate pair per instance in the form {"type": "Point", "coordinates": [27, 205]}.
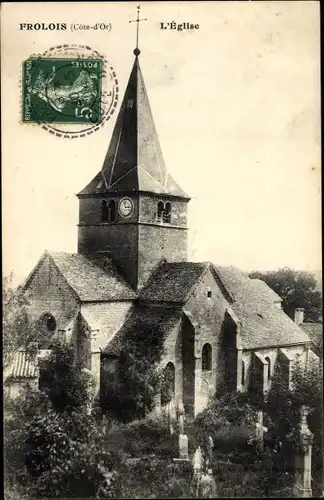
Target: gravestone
{"type": "Point", "coordinates": [303, 461]}
{"type": "Point", "coordinates": [260, 429]}
{"type": "Point", "coordinates": [197, 460]}
{"type": "Point", "coordinates": [183, 438]}
{"type": "Point", "coordinates": [197, 471]}
{"type": "Point", "coordinates": [171, 415]}
{"type": "Point", "coordinates": [210, 447]}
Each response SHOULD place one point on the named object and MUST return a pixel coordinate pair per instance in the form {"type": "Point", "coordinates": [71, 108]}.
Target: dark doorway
{"type": "Point", "coordinates": [188, 366]}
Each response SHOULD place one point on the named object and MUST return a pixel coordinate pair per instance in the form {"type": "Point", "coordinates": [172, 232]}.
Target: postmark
{"type": "Point", "coordinates": [69, 90]}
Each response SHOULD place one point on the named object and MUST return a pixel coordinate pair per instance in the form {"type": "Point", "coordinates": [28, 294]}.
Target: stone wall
{"type": "Point", "coordinates": [48, 292]}
{"type": "Point", "coordinates": [205, 310]}
{"type": "Point", "coordinates": [138, 242]}
{"type": "Point", "coordinates": [297, 353]}
{"type": "Point", "coordinates": [157, 242]}
{"type": "Point", "coordinates": [106, 317]}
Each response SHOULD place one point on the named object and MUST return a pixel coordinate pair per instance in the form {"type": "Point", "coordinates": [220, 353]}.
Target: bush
{"type": "Point", "coordinates": [14, 492]}
{"type": "Point", "coordinates": [63, 380]}
{"type": "Point", "coordinates": [229, 420]}
{"type": "Point", "coordinates": [143, 437]}
{"type": "Point", "coordinates": [78, 463]}
{"type": "Point", "coordinates": [155, 478]}
{"type": "Point", "coordinates": [129, 393]}
{"type": "Point", "coordinates": [230, 438]}
{"type": "Point", "coordinates": [60, 454]}
{"type": "Point", "coordinates": [18, 414]}
{"type": "Point", "coordinates": [283, 406]}
{"type": "Point", "coordinates": [52, 446]}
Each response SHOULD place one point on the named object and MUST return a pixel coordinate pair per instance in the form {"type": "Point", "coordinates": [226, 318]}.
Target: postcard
{"type": "Point", "coordinates": [161, 236]}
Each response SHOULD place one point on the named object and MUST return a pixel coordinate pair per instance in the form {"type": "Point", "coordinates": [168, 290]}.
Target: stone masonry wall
{"type": "Point", "coordinates": [48, 292]}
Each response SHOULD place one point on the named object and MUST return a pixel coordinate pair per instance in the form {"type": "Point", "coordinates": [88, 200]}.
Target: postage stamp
{"type": "Point", "coordinates": [70, 90]}
{"type": "Point", "coordinates": [62, 90]}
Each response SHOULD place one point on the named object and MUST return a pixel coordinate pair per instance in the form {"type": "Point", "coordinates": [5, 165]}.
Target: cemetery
{"type": "Point", "coordinates": [228, 450]}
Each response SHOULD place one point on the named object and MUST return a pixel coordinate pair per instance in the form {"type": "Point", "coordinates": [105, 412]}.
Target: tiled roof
{"type": "Point", "coordinates": [262, 323]}
{"type": "Point", "coordinates": [92, 279]}
{"type": "Point", "coordinates": [22, 366]}
{"type": "Point", "coordinates": [148, 319]}
{"type": "Point", "coordinates": [266, 291]}
{"type": "Point", "coordinates": [315, 333]}
{"type": "Point", "coordinates": [171, 282]}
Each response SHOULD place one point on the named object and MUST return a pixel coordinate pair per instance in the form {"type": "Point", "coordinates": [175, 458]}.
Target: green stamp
{"type": "Point", "coordinates": [62, 90]}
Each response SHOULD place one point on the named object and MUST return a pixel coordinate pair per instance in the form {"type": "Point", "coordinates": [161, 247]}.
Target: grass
{"type": "Point", "coordinates": [147, 469]}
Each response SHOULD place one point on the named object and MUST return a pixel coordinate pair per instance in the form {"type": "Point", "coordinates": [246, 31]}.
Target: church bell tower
{"type": "Point", "coordinates": [133, 210]}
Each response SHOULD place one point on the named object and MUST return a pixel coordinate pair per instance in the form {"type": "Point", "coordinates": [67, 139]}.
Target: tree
{"type": "Point", "coordinates": [17, 329]}
{"type": "Point", "coordinates": [64, 381]}
{"type": "Point", "coordinates": [297, 290]}
{"type": "Point", "coordinates": [53, 447]}
{"type": "Point", "coordinates": [283, 407]}
{"type": "Point", "coordinates": [129, 392]}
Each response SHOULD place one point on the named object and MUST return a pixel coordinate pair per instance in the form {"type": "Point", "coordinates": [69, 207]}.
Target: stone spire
{"type": "Point", "coordinates": [134, 160]}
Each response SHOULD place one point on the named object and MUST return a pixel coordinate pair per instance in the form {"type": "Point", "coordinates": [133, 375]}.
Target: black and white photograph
{"type": "Point", "coordinates": [162, 270]}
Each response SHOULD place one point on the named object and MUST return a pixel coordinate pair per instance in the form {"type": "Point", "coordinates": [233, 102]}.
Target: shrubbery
{"type": "Point", "coordinates": [129, 393]}
{"type": "Point", "coordinates": [149, 436]}
{"type": "Point", "coordinates": [230, 421]}
{"type": "Point", "coordinates": [64, 381]}
{"type": "Point", "coordinates": [283, 407]}
{"type": "Point", "coordinates": [53, 447]}
{"type": "Point", "coordinates": [156, 478]}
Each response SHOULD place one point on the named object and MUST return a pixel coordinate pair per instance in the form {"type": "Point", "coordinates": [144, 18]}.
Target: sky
{"type": "Point", "coordinates": [236, 105]}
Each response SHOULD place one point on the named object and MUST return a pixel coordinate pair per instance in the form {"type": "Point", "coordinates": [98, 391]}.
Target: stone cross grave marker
{"type": "Point", "coordinates": [303, 461]}
{"type": "Point", "coordinates": [197, 461]}
{"type": "Point", "coordinates": [183, 438]}
{"type": "Point", "coordinates": [260, 429]}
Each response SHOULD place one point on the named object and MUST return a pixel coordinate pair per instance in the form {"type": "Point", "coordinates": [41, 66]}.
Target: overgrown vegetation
{"type": "Point", "coordinates": [230, 421]}
{"type": "Point", "coordinates": [130, 391]}
{"type": "Point", "coordinates": [16, 328]}
{"type": "Point", "coordinates": [53, 447]}
{"type": "Point", "coordinates": [283, 406]}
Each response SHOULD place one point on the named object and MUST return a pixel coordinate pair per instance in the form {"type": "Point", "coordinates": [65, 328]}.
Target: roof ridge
{"type": "Point", "coordinates": [220, 280]}
{"type": "Point", "coordinates": [198, 281]}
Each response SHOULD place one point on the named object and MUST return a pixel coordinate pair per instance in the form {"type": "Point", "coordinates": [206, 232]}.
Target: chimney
{"type": "Point", "coordinates": [299, 315]}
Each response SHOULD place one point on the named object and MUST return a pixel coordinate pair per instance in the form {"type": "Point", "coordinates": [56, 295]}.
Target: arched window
{"type": "Point", "coordinates": [206, 358]}
{"type": "Point", "coordinates": [243, 374]}
{"type": "Point", "coordinates": [48, 322]}
{"type": "Point", "coordinates": [268, 360]}
{"type": "Point", "coordinates": [160, 210]}
{"type": "Point", "coordinates": [167, 213]}
{"type": "Point", "coordinates": [104, 211]}
{"type": "Point", "coordinates": [111, 211]}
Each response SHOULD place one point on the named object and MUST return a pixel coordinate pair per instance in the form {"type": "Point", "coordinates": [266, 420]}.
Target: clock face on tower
{"type": "Point", "coordinates": [126, 207]}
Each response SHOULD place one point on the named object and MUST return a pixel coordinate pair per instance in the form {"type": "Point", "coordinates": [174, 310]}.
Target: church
{"type": "Point", "coordinates": [220, 328]}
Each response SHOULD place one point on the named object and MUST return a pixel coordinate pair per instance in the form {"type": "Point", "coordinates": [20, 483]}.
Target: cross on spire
{"type": "Point", "coordinates": [137, 51]}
